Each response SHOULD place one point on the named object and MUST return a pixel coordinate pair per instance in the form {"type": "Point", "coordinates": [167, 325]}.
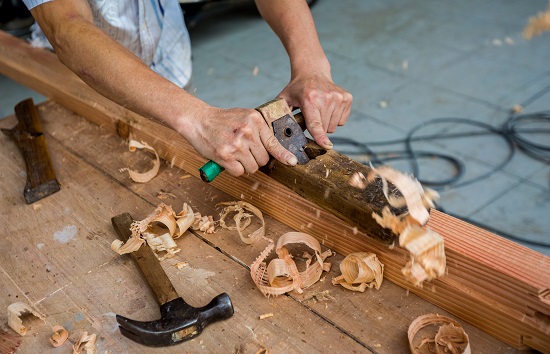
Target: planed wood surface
{"type": "Point", "coordinates": [90, 277]}
{"type": "Point", "coordinates": [57, 258]}
{"type": "Point", "coordinates": [478, 289]}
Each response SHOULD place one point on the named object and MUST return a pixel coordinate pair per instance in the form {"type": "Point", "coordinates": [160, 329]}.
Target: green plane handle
{"type": "Point", "coordinates": [210, 170]}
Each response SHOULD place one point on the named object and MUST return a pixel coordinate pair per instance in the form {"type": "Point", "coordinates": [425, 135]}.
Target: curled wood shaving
{"type": "Point", "coordinates": [160, 228]}
{"type": "Point", "coordinates": [85, 342]}
{"type": "Point", "coordinates": [360, 270]}
{"type": "Point", "coordinates": [427, 254]}
{"type": "Point", "coordinates": [59, 336]}
{"type": "Point", "coordinates": [415, 198]}
{"type": "Point", "coordinates": [425, 246]}
{"type": "Point", "coordinates": [281, 275]}
{"type": "Point", "coordinates": [148, 175]}
{"type": "Point", "coordinates": [537, 24]}
{"type": "Point", "coordinates": [184, 220]}
{"type": "Point", "coordinates": [240, 208]}
{"type": "Point", "coordinates": [16, 313]}
{"type": "Point", "coordinates": [449, 338]}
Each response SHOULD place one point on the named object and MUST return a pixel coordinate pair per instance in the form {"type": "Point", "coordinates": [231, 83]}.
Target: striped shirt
{"type": "Point", "coordinates": [153, 30]}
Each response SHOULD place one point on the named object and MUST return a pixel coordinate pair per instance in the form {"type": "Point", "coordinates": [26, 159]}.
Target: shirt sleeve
{"type": "Point", "coordinates": [34, 3]}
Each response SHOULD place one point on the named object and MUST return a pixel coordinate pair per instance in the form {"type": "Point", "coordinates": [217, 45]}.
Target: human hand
{"type": "Point", "coordinates": [238, 139]}
{"type": "Point", "coordinates": [324, 104]}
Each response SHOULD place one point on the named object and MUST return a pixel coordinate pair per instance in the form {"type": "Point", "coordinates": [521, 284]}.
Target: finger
{"type": "Point", "coordinates": [234, 168]}
{"type": "Point", "coordinates": [249, 163]}
{"type": "Point", "coordinates": [315, 127]}
{"type": "Point", "coordinates": [335, 112]}
{"type": "Point", "coordinates": [348, 99]}
{"type": "Point", "coordinates": [275, 148]}
{"type": "Point", "coordinates": [260, 155]}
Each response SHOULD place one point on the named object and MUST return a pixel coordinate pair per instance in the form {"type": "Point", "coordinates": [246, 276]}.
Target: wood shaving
{"type": "Point", "coordinates": [433, 333]}
{"type": "Point", "coordinates": [160, 228]}
{"type": "Point", "coordinates": [242, 220]}
{"type": "Point", "coordinates": [165, 195]}
{"type": "Point", "coordinates": [281, 275]}
{"type": "Point", "coordinates": [59, 336]}
{"type": "Point", "coordinates": [360, 270]}
{"type": "Point", "coordinates": [427, 251]}
{"type": "Point", "coordinates": [148, 175]}
{"type": "Point", "coordinates": [181, 265]}
{"type": "Point", "coordinates": [517, 108]}
{"type": "Point", "coordinates": [85, 342]}
{"type": "Point", "coordinates": [358, 180]}
{"type": "Point", "coordinates": [266, 315]}
{"type": "Point", "coordinates": [537, 24]}
{"type": "Point", "coordinates": [16, 313]}
{"type": "Point", "coordinates": [415, 197]}
{"type": "Point", "coordinates": [205, 224]}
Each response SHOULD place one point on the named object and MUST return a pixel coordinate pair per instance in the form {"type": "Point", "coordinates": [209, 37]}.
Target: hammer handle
{"type": "Point", "coordinates": [28, 136]}
{"type": "Point", "coordinates": [147, 262]}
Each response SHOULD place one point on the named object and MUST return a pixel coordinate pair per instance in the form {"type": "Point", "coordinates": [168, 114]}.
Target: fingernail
{"type": "Point", "coordinates": [292, 161]}
{"type": "Point", "coordinates": [328, 144]}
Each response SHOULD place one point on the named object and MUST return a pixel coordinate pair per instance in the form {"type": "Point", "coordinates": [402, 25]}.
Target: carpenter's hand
{"type": "Point", "coordinates": [237, 139]}
{"type": "Point", "coordinates": [324, 104]}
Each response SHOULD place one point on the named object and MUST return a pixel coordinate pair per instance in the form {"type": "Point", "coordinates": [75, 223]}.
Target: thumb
{"type": "Point", "coordinates": [275, 149]}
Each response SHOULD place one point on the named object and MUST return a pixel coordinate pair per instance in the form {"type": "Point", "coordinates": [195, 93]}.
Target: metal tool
{"type": "Point", "coordinates": [27, 134]}
{"type": "Point", "coordinates": [286, 129]}
{"type": "Point", "coordinates": [178, 321]}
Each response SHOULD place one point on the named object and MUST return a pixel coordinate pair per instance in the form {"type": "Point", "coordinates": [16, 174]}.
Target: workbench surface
{"type": "Point", "coordinates": [55, 256]}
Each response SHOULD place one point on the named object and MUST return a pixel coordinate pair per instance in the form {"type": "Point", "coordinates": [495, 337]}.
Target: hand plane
{"type": "Point", "coordinates": [284, 126]}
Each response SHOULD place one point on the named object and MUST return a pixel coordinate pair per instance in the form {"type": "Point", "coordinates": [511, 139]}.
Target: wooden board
{"type": "Point", "coordinates": [488, 304]}
{"type": "Point", "coordinates": [77, 281]}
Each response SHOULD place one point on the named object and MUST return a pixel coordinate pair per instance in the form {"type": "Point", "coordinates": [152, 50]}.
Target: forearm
{"type": "Point", "coordinates": [115, 72]}
{"type": "Point", "coordinates": [291, 20]}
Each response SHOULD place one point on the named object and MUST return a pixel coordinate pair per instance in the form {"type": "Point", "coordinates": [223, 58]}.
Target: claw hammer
{"type": "Point", "coordinates": [178, 321]}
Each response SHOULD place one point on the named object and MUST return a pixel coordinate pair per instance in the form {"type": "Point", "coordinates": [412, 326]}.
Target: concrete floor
{"type": "Point", "coordinates": [424, 59]}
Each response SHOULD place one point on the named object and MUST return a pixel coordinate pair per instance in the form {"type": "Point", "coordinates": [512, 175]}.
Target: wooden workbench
{"type": "Point", "coordinates": [55, 255]}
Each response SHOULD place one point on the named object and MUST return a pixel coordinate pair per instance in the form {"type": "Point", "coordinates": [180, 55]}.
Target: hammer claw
{"type": "Point", "coordinates": [179, 322]}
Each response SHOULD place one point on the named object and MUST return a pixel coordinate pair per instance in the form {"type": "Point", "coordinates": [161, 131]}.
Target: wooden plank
{"type": "Point", "coordinates": [57, 258]}
{"type": "Point", "coordinates": [41, 71]}
{"type": "Point", "coordinates": [377, 319]}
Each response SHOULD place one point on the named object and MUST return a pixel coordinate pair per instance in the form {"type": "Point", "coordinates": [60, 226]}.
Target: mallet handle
{"type": "Point", "coordinates": [147, 262]}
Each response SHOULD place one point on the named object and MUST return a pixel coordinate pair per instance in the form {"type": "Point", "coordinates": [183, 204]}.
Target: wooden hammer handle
{"type": "Point", "coordinates": [147, 262]}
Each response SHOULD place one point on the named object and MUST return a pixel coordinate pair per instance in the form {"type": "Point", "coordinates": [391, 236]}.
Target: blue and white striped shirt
{"type": "Point", "coordinates": [153, 30]}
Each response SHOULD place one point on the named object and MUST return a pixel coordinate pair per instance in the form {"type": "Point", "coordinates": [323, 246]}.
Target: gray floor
{"type": "Point", "coordinates": [424, 59]}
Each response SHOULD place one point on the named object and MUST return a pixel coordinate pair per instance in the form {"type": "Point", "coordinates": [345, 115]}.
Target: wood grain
{"type": "Point", "coordinates": [378, 320]}
{"type": "Point", "coordinates": [514, 273]}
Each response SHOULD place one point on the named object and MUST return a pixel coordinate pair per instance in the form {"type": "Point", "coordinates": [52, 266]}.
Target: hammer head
{"type": "Point", "coordinates": [178, 322]}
